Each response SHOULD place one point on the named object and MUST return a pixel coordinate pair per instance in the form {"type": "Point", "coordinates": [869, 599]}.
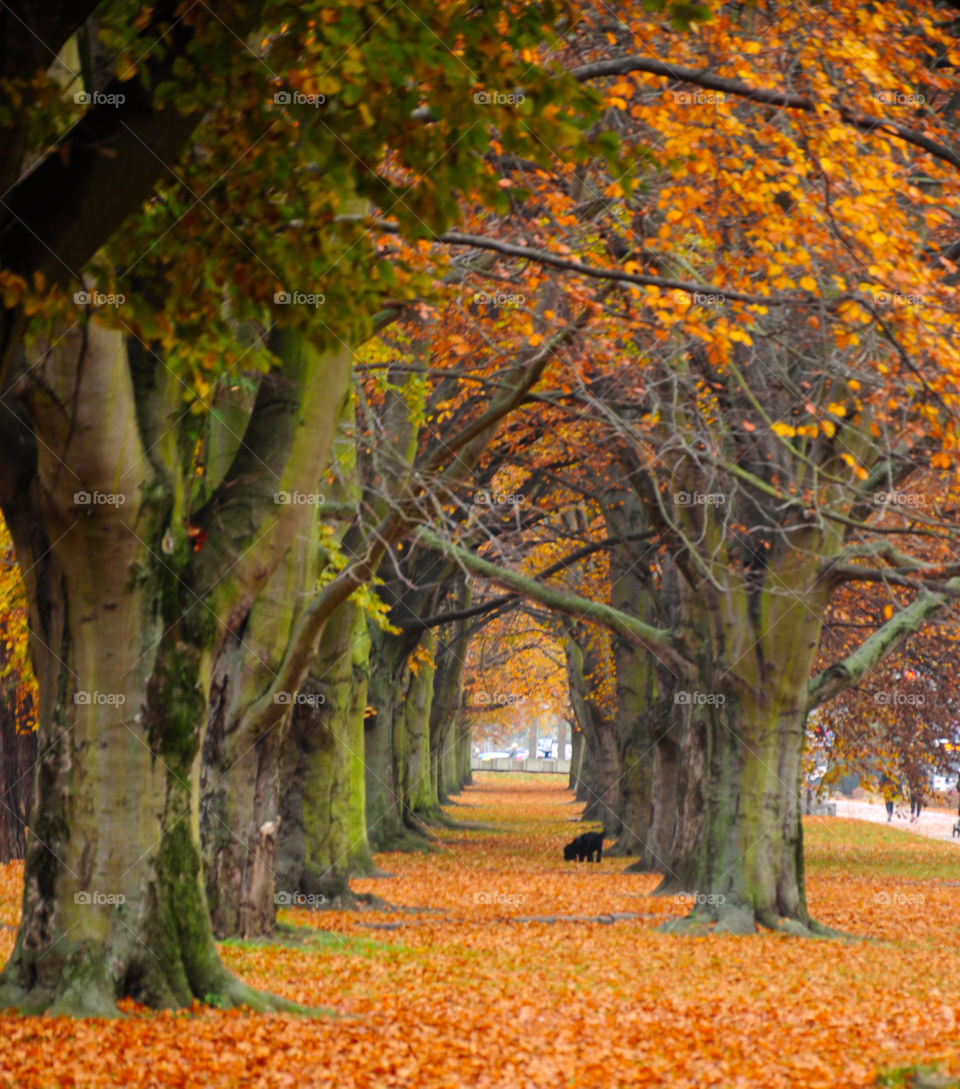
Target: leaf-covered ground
{"type": "Point", "coordinates": [469, 995]}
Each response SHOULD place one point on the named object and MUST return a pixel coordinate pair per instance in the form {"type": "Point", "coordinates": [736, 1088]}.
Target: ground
{"type": "Point", "coordinates": [470, 995]}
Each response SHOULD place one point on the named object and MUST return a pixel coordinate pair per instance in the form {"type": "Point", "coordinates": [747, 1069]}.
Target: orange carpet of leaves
{"type": "Point", "coordinates": [470, 996]}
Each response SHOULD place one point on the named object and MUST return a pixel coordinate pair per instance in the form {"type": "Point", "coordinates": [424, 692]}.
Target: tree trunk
{"type": "Point", "coordinates": [576, 759]}
{"type": "Point", "coordinates": [419, 797]}
{"type": "Point", "coordinates": [122, 642]}
{"type": "Point", "coordinates": [658, 853]}
{"type": "Point", "coordinates": [383, 754]}
{"type": "Point", "coordinates": [239, 779]}
{"type": "Point", "coordinates": [18, 759]}
{"type": "Point", "coordinates": [445, 708]}
{"type": "Point", "coordinates": [738, 844]}
{"type": "Point", "coordinates": [599, 782]}
{"type": "Point", "coordinates": [323, 833]}
{"type": "Point", "coordinates": [240, 767]}
{"type": "Point", "coordinates": [636, 683]}
{"type": "Point", "coordinates": [464, 750]}
{"type": "Point", "coordinates": [113, 897]}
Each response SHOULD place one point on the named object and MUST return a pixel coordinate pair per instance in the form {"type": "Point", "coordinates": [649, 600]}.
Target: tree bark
{"type": "Point", "coordinates": [445, 708]}
{"type": "Point", "coordinates": [464, 750]}
{"type": "Point", "coordinates": [383, 762]}
{"type": "Point", "coordinates": [600, 778]}
{"type": "Point", "coordinates": [419, 798]}
{"type": "Point", "coordinates": [323, 834]}
{"type": "Point", "coordinates": [113, 896]}
{"type": "Point", "coordinates": [738, 843]}
{"type": "Point", "coordinates": [240, 767]}
{"type": "Point", "coordinates": [576, 759]}
{"type": "Point", "coordinates": [126, 621]}
{"type": "Point", "coordinates": [18, 759]}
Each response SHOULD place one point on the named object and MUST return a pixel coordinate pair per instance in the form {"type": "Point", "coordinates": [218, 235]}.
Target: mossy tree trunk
{"type": "Point", "coordinates": [126, 621]}
{"type": "Point", "coordinates": [738, 843]}
{"type": "Point", "coordinates": [576, 758]}
{"type": "Point", "coordinates": [323, 830]}
{"type": "Point", "coordinates": [240, 782]}
{"type": "Point", "coordinates": [450, 654]}
{"type": "Point", "coordinates": [113, 896]}
{"type": "Point", "coordinates": [419, 796]}
{"type": "Point", "coordinates": [383, 749]}
{"type": "Point", "coordinates": [636, 685]}
{"type": "Point", "coordinates": [464, 752]}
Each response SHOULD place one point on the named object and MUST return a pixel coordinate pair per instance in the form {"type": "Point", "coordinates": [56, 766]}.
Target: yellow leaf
{"type": "Point", "coordinates": [783, 430]}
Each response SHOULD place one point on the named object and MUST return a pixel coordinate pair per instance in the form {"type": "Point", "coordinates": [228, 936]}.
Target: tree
{"type": "Point", "coordinates": [138, 575]}
{"type": "Point", "coordinates": [767, 401]}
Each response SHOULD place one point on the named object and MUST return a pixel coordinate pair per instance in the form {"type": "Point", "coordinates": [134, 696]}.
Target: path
{"type": "Point", "coordinates": [935, 823]}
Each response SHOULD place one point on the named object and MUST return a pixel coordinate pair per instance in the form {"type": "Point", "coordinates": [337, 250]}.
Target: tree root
{"type": "Point", "coordinates": [742, 919]}
{"type": "Point", "coordinates": [88, 998]}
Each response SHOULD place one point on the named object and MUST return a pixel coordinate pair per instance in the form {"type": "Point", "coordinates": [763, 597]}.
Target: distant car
{"type": "Point", "coordinates": [495, 756]}
{"type": "Point", "coordinates": [941, 784]}
{"type": "Point", "coordinates": [521, 754]}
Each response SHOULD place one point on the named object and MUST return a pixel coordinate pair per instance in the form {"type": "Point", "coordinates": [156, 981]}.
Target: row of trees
{"type": "Point", "coordinates": [267, 449]}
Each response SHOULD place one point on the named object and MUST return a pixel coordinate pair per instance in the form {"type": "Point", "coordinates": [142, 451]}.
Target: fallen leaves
{"type": "Point", "coordinates": [469, 995]}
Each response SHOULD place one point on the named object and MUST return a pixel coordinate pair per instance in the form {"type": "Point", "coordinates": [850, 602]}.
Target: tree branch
{"type": "Point", "coordinates": [766, 96]}
{"type": "Point", "coordinates": [848, 672]}
{"type": "Point", "coordinates": [656, 641]}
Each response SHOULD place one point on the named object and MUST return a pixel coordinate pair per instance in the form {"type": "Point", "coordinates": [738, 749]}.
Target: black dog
{"type": "Point", "coordinates": [583, 847]}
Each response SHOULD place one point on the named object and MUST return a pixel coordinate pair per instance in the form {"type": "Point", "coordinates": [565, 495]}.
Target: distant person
{"type": "Point", "coordinates": [916, 804]}
{"type": "Point", "coordinates": [888, 791]}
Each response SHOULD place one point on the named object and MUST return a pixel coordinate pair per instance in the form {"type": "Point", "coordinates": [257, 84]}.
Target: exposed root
{"type": "Point", "coordinates": [84, 997]}
{"type": "Point", "coordinates": [742, 919]}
